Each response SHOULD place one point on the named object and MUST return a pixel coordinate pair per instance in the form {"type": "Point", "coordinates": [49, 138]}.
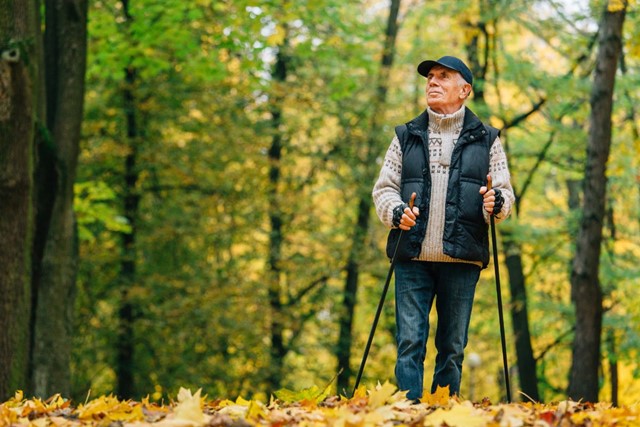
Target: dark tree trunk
{"type": "Point", "coordinates": [613, 365]}
{"type": "Point", "coordinates": [527, 370]}
{"type": "Point", "coordinates": [345, 338]}
{"type": "Point", "coordinates": [278, 348]}
{"type": "Point", "coordinates": [343, 348]}
{"type": "Point", "coordinates": [55, 247]}
{"type": "Point", "coordinates": [125, 348]}
{"type": "Point", "coordinates": [586, 292]}
{"type": "Point", "coordinates": [18, 117]}
{"type": "Point", "coordinates": [125, 361]}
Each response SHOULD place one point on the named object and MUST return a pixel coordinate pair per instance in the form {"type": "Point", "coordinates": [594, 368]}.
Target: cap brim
{"type": "Point", "coordinates": [425, 66]}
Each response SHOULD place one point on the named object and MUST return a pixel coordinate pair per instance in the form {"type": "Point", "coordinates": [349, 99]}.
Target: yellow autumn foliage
{"type": "Point", "coordinates": [382, 406]}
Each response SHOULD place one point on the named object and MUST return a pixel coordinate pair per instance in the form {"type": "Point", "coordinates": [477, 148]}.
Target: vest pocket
{"type": "Point", "coordinates": [472, 240]}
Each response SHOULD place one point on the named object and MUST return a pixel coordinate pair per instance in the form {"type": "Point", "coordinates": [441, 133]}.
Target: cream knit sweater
{"type": "Point", "coordinates": [443, 135]}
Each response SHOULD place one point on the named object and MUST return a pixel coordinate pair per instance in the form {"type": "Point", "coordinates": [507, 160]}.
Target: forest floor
{"type": "Point", "coordinates": [382, 406]}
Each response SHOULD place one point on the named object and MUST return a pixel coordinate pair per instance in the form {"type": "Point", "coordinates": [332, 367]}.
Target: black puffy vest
{"type": "Point", "coordinates": [465, 230]}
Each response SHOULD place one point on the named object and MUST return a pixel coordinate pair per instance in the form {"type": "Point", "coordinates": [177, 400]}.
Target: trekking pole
{"type": "Point", "coordinates": [499, 293]}
{"type": "Point", "coordinates": [380, 304]}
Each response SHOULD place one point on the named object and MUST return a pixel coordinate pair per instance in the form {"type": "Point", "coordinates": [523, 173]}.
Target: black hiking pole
{"type": "Point", "coordinates": [499, 293]}
{"type": "Point", "coordinates": [380, 304]}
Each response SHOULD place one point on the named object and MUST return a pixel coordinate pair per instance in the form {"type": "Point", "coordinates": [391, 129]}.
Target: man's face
{"type": "Point", "coordinates": [446, 90]}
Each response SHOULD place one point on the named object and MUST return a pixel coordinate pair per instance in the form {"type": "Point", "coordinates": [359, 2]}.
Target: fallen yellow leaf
{"type": "Point", "coordinates": [457, 416]}
{"type": "Point", "coordinates": [381, 395]}
{"type": "Point", "coordinates": [439, 398]}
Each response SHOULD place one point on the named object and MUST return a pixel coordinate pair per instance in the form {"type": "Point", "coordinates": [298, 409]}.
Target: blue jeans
{"type": "Point", "coordinates": [418, 283]}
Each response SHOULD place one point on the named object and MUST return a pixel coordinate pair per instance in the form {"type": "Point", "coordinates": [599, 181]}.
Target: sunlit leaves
{"type": "Point", "coordinates": [618, 5]}
{"type": "Point", "coordinates": [381, 395]}
{"type": "Point", "coordinates": [438, 398]}
{"type": "Point", "coordinates": [190, 409]}
{"type": "Point", "coordinates": [458, 415]}
{"type": "Point", "coordinates": [111, 408]}
{"type": "Point", "coordinates": [95, 208]}
{"type": "Point", "coordinates": [313, 394]}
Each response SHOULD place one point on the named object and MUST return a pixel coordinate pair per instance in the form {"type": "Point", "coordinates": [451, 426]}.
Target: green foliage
{"type": "Point", "coordinates": [94, 206]}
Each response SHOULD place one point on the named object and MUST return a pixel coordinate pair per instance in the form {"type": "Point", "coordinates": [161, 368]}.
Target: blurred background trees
{"type": "Point", "coordinates": [224, 230]}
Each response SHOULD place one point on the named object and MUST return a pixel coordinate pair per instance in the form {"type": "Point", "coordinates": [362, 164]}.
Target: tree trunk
{"type": "Point", "coordinates": [343, 348]}
{"type": "Point", "coordinates": [55, 244]}
{"type": "Point", "coordinates": [278, 349]}
{"type": "Point", "coordinates": [125, 339]}
{"type": "Point", "coordinates": [613, 365]}
{"type": "Point", "coordinates": [125, 387]}
{"type": "Point", "coordinates": [527, 370]}
{"type": "Point", "coordinates": [18, 117]}
{"type": "Point", "coordinates": [586, 292]}
{"type": "Point", "coordinates": [345, 338]}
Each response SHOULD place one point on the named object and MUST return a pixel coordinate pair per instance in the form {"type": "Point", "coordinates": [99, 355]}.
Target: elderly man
{"type": "Point", "coordinates": [446, 156]}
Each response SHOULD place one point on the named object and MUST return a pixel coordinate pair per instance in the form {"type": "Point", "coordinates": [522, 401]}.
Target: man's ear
{"type": "Point", "coordinates": [466, 90]}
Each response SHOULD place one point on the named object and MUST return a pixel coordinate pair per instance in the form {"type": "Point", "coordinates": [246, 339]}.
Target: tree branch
{"type": "Point", "coordinates": [522, 117]}
{"type": "Point", "coordinates": [555, 343]}
{"type": "Point", "coordinates": [304, 291]}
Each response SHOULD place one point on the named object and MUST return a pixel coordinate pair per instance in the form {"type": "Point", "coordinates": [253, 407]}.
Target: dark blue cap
{"type": "Point", "coordinates": [449, 62]}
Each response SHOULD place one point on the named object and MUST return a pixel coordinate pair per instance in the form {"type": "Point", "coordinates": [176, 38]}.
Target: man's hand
{"type": "Point", "coordinates": [491, 198]}
{"type": "Point", "coordinates": [408, 219]}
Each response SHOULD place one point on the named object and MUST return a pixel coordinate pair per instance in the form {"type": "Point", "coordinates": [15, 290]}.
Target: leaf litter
{"type": "Point", "coordinates": [380, 406]}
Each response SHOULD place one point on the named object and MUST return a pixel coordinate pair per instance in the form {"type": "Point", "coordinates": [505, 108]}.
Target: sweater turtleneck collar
{"type": "Point", "coordinates": [448, 127]}
{"type": "Point", "coordinates": [446, 123]}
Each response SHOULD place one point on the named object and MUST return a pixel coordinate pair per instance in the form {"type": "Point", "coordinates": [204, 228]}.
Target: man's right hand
{"type": "Point", "coordinates": [408, 219]}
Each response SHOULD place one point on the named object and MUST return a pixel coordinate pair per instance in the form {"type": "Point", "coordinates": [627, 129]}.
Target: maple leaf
{"type": "Point", "coordinates": [312, 394]}
{"type": "Point", "coordinates": [309, 396]}
{"type": "Point", "coordinates": [16, 400]}
{"type": "Point", "coordinates": [381, 395]}
{"type": "Point", "coordinates": [512, 415]}
{"type": "Point", "coordinates": [242, 408]}
{"type": "Point", "coordinates": [458, 416]}
{"type": "Point", "coordinates": [256, 411]}
{"type": "Point", "coordinates": [112, 408]}
{"type": "Point", "coordinates": [360, 392]}
{"type": "Point", "coordinates": [7, 416]}
{"type": "Point", "coordinates": [189, 408]}
{"type": "Point", "coordinates": [439, 398]}
{"type": "Point", "coordinates": [234, 410]}
{"type": "Point", "coordinates": [219, 404]}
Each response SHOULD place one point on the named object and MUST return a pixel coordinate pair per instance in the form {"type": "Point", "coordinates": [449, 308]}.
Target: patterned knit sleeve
{"type": "Point", "coordinates": [501, 179]}
{"type": "Point", "coordinates": [386, 191]}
